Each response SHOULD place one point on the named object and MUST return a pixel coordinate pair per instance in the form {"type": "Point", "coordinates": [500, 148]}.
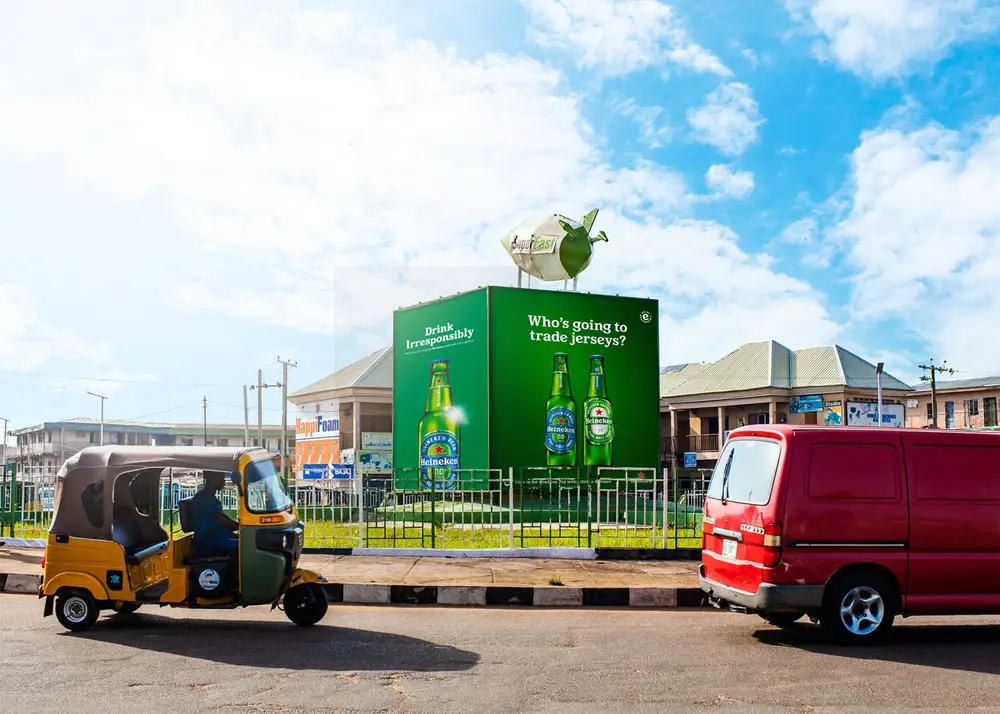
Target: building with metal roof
{"type": "Point", "coordinates": [766, 382]}
{"type": "Point", "coordinates": [333, 414]}
{"type": "Point", "coordinates": [961, 404]}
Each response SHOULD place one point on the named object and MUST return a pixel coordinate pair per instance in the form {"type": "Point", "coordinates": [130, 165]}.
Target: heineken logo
{"type": "Point", "coordinates": [439, 460]}
{"type": "Point", "coordinates": [600, 425]}
{"type": "Point", "coordinates": [560, 430]}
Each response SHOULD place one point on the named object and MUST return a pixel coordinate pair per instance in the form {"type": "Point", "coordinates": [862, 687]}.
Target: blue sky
{"type": "Point", "coordinates": [188, 193]}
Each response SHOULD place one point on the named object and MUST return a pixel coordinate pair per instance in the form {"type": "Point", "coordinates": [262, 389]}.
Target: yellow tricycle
{"type": "Point", "coordinates": [107, 548]}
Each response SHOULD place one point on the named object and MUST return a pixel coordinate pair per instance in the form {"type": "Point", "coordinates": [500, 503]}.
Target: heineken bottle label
{"type": "Point", "coordinates": [600, 427]}
{"type": "Point", "coordinates": [560, 430]}
{"type": "Point", "coordinates": [439, 450]}
{"type": "Point", "coordinates": [439, 460]}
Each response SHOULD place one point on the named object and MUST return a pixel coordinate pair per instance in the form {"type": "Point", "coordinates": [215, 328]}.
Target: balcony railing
{"type": "Point", "coordinates": [703, 443]}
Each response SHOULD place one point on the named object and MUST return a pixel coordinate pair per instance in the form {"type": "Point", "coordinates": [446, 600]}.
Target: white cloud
{"type": "Point", "coordinates": [618, 36]}
{"type": "Point", "coordinates": [728, 120]}
{"type": "Point", "coordinates": [323, 172]}
{"type": "Point", "coordinates": [890, 38]}
{"type": "Point", "coordinates": [654, 122]}
{"type": "Point", "coordinates": [27, 341]}
{"type": "Point", "coordinates": [724, 180]}
{"type": "Point", "coordinates": [924, 234]}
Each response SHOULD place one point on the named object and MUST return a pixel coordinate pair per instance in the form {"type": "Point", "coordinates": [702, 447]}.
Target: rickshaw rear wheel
{"type": "Point", "coordinates": [125, 608]}
{"type": "Point", "coordinates": [76, 610]}
{"type": "Point", "coordinates": [305, 604]}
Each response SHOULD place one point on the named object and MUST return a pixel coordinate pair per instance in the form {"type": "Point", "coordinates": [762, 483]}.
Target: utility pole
{"type": "Point", "coordinates": [878, 377]}
{"type": "Point", "coordinates": [204, 413]}
{"type": "Point", "coordinates": [260, 387]}
{"type": "Point", "coordinates": [246, 418]}
{"type": "Point", "coordinates": [285, 364]}
{"type": "Point", "coordinates": [932, 379]}
{"type": "Point", "coordinates": [102, 398]}
{"type": "Point", "coordinates": [4, 447]}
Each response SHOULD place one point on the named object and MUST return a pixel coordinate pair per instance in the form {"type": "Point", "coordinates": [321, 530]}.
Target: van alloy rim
{"type": "Point", "coordinates": [76, 610]}
{"type": "Point", "coordinates": [862, 610]}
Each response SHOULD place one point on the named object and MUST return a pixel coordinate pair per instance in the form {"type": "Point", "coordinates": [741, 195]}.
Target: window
{"type": "Point", "coordinates": [256, 442]}
{"type": "Point", "coordinates": [972, 407]}
{"type": "Point", "coordinates": [990, 409]}
{"type": "Point", "coordinates": [745, 472]}
{"type": "Point", "coordinates": [223, 442]}
{"type": "Point", "coordinates": [853, 471]}
{"type": "Point", "coordinates": [759, 419]}
{"type": "Point", "coordinates": [187, 441]}
{"type": "Point", "coordinates": [93, 438]}
{"type": "Point", "coordinates": [209, 442]}
{"type": "Point", "coordinates": [930, 411]}
{"type": "Point", "coordinates": [93, 503]}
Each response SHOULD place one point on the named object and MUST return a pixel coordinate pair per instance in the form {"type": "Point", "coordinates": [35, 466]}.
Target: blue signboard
{"type": "Point", "coordinates": [690, 461]}
{"type": "Point", "coordinates": [314, 471]}
{"type": "Point", "coordinates": [806, 403]}
{"type": "Point", "coordinates": [341, 471]}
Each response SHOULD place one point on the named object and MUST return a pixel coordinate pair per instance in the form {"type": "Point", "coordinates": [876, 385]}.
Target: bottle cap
{"type": "Point", "coordinates": [596, 356]}
{"type": "Point", "coordinates": [438, 361]}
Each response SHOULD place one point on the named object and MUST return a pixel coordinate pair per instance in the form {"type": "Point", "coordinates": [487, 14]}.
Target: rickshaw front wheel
{"type": "Point", "coordinates": [76, 610]}
{"type": "Point", "coordinates": [305, 604]}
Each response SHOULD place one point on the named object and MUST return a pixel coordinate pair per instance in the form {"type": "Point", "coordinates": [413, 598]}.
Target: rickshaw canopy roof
{"type": "Point", "coordinates": [86, 482]}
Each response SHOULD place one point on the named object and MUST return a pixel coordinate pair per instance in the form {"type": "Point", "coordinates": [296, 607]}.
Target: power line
{"type": "Point", "coordinates": [165, 411]}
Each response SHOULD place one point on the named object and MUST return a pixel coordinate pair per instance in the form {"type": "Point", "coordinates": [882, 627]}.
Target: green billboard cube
{"type": "Point", "coordinates": [502, 378]}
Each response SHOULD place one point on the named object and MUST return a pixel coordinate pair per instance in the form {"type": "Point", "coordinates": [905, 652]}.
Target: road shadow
{"type": "Point", "coordinates": [271, 644]}
{"type": "Point", "coordinates": [965, 648]}
{"type": "Point", "coordinates": [30, 558]}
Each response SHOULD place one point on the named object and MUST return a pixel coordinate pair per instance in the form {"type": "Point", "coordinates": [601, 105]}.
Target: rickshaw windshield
{"type": "Point", "coordinates": [263, 487]}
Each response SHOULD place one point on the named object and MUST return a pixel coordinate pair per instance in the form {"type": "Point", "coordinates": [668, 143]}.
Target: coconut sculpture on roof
{"type": "Point", "coordinates": [553, 247]}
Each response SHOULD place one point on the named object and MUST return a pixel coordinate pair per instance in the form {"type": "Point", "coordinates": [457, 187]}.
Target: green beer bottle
{"type": "Point", "coordinates": [599, 426]}
{"type": "Point", "coordinates": [560, 416]}
{"type": "Point", "coordinates": [439, 433]}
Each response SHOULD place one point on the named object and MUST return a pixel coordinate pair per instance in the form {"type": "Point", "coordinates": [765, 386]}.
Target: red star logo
{"type": "Point", "coordinates": [439, 449]}
{"type": "Point", "coordinates": [560, 420]}
{"type": "Point", "coordinates": [642, 474]}
{"type": "Point", "coordinates": [599, 412]}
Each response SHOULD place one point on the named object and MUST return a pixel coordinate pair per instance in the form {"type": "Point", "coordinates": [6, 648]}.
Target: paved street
{"type": "Point", "coordinates": [411, 659]}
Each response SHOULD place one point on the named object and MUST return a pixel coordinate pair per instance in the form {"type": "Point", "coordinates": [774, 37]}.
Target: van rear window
{"type": "Point", "coordinates": [745, 471]}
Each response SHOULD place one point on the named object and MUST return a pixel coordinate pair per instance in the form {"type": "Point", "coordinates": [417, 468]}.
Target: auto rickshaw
{"type": "Point", "coordinates": [108, 550]}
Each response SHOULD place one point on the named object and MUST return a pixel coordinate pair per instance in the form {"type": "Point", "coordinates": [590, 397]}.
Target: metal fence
{"type": "Point", "coordinates": [527, 508]}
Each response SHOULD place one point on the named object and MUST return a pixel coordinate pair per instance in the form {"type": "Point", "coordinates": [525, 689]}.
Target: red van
{"type": "Point", "coordinates": [853, 526]}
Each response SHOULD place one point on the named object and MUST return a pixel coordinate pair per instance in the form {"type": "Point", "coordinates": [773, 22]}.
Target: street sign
{"type": "Point", "coordinates": [690, 461]}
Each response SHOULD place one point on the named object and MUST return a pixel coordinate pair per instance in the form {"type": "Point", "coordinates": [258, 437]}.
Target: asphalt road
{"type": "Point", "coordinates": [415, 659]}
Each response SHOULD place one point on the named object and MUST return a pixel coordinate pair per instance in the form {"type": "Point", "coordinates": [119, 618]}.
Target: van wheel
{"type": "Point", "coordinates": [858, 609]}
{"type": "Point", "coordinates": [782, 619]}
{"type": "Point", "coordinates": [76, 610]}
{"type": "Point", "coordinates": [305, 604]}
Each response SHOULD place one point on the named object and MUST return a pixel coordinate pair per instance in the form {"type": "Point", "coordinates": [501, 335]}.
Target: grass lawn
{"type": "Point", "coordinates": [397, 534]}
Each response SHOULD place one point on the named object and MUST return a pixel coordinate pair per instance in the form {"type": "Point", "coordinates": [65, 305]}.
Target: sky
{"type": "Point", "coordinates": [191, 190]}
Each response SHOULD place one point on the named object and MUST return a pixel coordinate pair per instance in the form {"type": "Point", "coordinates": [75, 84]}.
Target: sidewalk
{"type": "Point", "coordinates": [462, 581]}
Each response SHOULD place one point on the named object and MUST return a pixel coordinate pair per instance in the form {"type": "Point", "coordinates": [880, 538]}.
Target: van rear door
{"type": "Point", "coordinates": [742, 535]}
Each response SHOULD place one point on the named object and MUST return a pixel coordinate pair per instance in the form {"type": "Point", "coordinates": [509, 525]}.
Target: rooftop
{"type": "Point", "coordinates": [373, 371]}
{"type": "Point", "coordinates": [974, 383]}
{"type": "Point", "coordinates": [762, 365]}
{"type": "Point", "coordinates": [91, 424]}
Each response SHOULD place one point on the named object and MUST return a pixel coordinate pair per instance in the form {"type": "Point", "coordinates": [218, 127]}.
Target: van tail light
{"type": "Point", "coordinates": [772, 544]}
{"type": "Point", "coordinates": [43, 561]}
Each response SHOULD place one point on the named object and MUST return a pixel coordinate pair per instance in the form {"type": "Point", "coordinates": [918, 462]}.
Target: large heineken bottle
{"type": "Point", "coordinates": [599, 426]}
{"type": "Point", "coordinates": [560, 416]}
{"type": "Point", "coordinates": [439, 433]}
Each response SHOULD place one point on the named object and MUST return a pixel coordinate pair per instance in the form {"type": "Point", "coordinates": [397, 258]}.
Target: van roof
{"type": "Point", "coordinates": [784, 430]}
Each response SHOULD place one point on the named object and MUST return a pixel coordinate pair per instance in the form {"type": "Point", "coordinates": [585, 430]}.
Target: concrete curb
{"type": "Point", "coordinates": [515, 596]}
{"type": "Point", "coordinates": [466, 595]}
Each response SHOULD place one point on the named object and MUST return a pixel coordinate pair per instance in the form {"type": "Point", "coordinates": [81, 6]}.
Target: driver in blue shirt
{"type": "Point", "coordinates": [214, 531]}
